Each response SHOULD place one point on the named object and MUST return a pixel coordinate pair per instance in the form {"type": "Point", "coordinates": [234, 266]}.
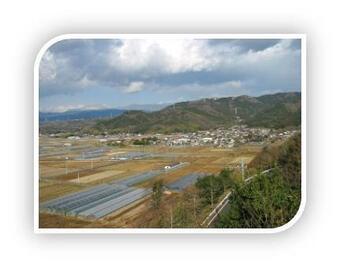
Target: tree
{"type": "Point", "coordinates": [211, 187]}
{"type": "Point", "coordinates": [227, 180]}
{"type": "Point", "coordinates": [290, 160]}
{"type": "Point", "coordinates": [157, 193]}
{"type": "Point", "coordinates": [271, 199]}
{"type": "Point", "coordinates": [266, 202]}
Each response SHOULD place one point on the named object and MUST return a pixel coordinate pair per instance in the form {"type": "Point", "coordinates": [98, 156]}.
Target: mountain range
{"type": "Point", "coordinates": [279, 110]}
{"type": "Point", "coordinates": [82, 114]}
{"type": "Point", "coordinates": [272, 111]}
{"type": "Point", "coordinates": [75, 114]}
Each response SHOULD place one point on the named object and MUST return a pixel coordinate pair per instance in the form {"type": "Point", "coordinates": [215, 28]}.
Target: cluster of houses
{"type": "Point", "coordinates": [228, 138]}
{"type": "Point", "coordinates": [231, 137]}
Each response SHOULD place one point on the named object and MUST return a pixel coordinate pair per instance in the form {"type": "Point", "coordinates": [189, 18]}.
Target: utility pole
{"type": "Point", "coordinates": [78, 178]}
{"type": "Point", "coordinates": [195, 207]}
{"type": "Point", "coordinates": [92, 164]}
{"type": "Point", "coordinates": [171, 217]}
{"type": "Point", "coordinates": [66, 171]}
{"type": "Point", "coordinates": [211, 193]}
{"type": "Point", "coordinates": [242, 169]}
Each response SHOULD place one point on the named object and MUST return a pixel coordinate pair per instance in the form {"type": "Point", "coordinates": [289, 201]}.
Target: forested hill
{"type": "Point", "coordinates": [273, 111]}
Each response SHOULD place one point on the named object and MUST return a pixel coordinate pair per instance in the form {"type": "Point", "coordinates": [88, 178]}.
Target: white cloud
{"type": "Point", "coordinates": [48, 67]}
{"type": "Point", "coordinates": [278, 50]}
{"type": "Point", "coordinates": [134, 87]}
{"type": "Point", "coordinates": [191, 87]}
{"type": "Point", "coordinates": [85, 82]}
{"type": "Point", "coordinates": [63, 108]}
{"type": "Point", "coordinates": [152, 57]}
{"type": "Point", "coordinates": [164, 56]}
{"type": "Point", "coordinates": [132, 66]}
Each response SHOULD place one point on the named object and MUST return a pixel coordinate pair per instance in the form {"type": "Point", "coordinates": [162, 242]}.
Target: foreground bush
{"type": "Point", "coordinates": [266, 202]}
{"type": "Point", "coordinates": [269, 200]}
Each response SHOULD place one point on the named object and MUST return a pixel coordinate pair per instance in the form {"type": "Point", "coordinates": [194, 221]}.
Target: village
{"type": "Point", "coordinates": [222, 138]}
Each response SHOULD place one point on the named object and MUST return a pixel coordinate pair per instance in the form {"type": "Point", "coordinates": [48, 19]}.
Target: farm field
{"type": "Point", "coordinates": [81, 166]}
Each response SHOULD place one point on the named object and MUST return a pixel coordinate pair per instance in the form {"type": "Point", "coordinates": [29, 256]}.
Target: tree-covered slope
{"type": "Point", "coordinates": [270, 200]}
{"type": "Point", "coordinates": [273, 111]}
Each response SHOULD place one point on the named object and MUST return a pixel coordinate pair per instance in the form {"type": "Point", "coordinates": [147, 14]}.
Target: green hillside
{"type": "Point", "coordinates": [273, 111]}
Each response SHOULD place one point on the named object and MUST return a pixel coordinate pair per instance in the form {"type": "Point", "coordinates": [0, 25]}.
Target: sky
{"type": "Point", "coordinates": [114, 73]}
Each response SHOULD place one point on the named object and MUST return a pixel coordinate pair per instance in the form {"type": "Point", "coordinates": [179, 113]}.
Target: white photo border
{"type": "Point", "coordinates": [284, 227]}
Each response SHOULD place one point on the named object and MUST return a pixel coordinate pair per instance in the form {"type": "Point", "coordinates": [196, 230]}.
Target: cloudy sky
{"type": "Point", "coordinates": [97, 73]}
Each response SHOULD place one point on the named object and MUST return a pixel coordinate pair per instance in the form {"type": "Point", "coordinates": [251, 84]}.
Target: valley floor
{"type": "Point", "coordinates": [65, 171]}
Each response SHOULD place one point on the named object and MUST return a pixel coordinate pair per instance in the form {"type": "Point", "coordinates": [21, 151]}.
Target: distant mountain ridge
{"type": "Point", "coordinates": [79, 115]}
{"type": "Point", "coordinates": [273, 111]}
{"type": "Point", "coordinates": [85, 114]}
{"type": "Point", "coordinates": [145, 107]}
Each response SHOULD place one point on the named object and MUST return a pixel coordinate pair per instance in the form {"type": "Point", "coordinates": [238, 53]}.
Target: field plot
{"type": "Point", "coordinates": [139, 178]}
{"type": "Point", "coordinates": [131, 155]}
{"type": "Point", "coordinates": [116, 203]}
{"type": "Point", "coordinates": [97, 176]}
{"type": "Point", "coordinates": [185, 181]}
{"type": "Point", "coordinates": [49, 171]}
{"type": "Point", "coordinates": [96, 202]}
{"type": "Point", "coordinates": [93, 153]}
{"type": "Point", "coordinates": [48, 220]}
{"type": "Point", "coordinates": [51, 189]}
{"type": "Point", "coordinates": [113, 190]}
{"type": "Point", "coordinates": [67, 170]}
{"type": "Point", "coordinates": [245, 159]}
